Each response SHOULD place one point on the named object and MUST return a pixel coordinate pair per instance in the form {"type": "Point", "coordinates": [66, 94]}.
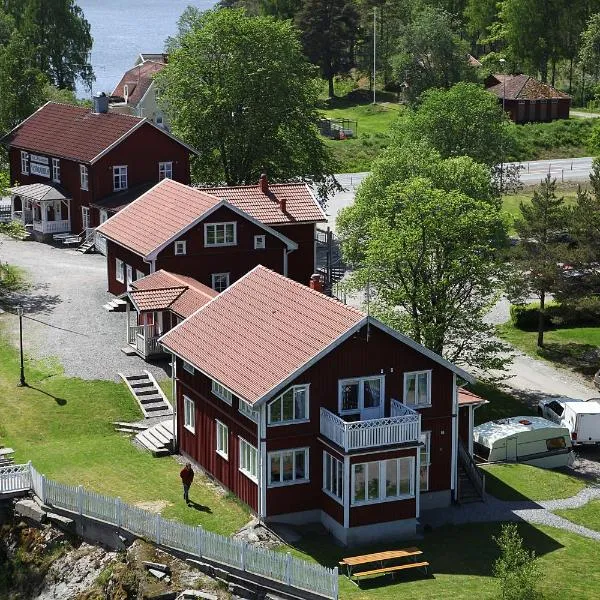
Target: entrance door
{"type": "Point", "coordinates": [85, 217]}
{"type": "Point", "coordinates": [372, 399]}
{"type": "Point", "coordinates": [511, 448]}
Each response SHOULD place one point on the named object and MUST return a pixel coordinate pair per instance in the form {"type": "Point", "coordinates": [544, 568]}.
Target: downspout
{"type": "Point", "coordinates": [454, 465]}
{"type": "Point", "coordinates": [174, 401]}
{"type": "Point", "coordinates": [262, 449]}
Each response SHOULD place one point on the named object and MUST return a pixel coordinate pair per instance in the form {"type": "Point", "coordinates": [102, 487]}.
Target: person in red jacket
{"type": "Point", "coordinates": [187, 476]}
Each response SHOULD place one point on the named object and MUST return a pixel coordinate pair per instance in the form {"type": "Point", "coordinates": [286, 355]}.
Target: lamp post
{"type": "Point", "coordinates": [502, 62]}
{"type": "Point", "coordinates": [22, 382]}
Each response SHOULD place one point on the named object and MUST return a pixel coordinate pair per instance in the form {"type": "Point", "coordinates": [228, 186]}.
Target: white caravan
{"type": "Point", "coordinates": [581, 417]}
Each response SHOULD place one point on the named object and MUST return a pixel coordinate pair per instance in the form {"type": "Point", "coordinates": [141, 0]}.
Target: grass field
{"type": "Point", "coordinates": [587, 515]}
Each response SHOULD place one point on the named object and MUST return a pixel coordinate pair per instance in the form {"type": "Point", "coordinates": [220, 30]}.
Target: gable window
{"type": "Point", "coordinates": [120, 271]}
{"type": "Point", "coordinates": [221, 392]}
{"type": "Point", "coordinates": [222, 440]}
{"type": "Point", "coordinates": [120, 178]}
{"type": "Point", "coordinates": [56, 170]}
{"type": "Point", "coordinates": [417, 388]}
{"type": "Point", "coordinates": [83, 177]}
{"type": "Point", "coordinates": [220, 281]}
{"type": "Point", "coordinates": [138, 274]}
{"type": "Point", "coordinates": [188, 368]}
{"type": "Point", "coordinates": [180, 248]}
{"type": "Point", "coordinates": [165, 170]}
{"type": "Point", "coordinates": [189, 414]}
{"type": "Point", "coordinates": [248, 460]}
{"type": "Point", "coordinates": [288, 467]}
{"type": "Point", "coordinates": [383, 481]}
{"type": "Point", "coordinates": [333, 476]}
{"type": "Point", "coordinates": [246, 409]}
{"type": "Point", "coordinates": [220, 234]}
{"type": "Point", "coordinates": [289, 407]}
{"type": "Point", "coordinates": [24, 163]}
{"type": "Point", "coordinates": [359, 394]}
{"type": "Point", "coordinates": [260, 242]}
{"type": "Point", "coordinates": [425, 459]}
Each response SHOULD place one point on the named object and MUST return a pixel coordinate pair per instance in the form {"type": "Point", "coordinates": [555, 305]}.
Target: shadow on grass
{"type": "Point", "coordinates": [582, 358]}
{"type": "Point", "coordinates": [60, 401]}
{"type": "Point", "coordinates": [501, 490]}
{"type": "Point", "coordinates": [360, 96]}
{"type": "Point", "coordinates": [199, 507]}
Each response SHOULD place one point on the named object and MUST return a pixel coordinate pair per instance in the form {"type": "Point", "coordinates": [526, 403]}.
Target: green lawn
{"type": "Point", "coordinates": [588, 515]}
{"type": "Point", "coordinates": [524, 482]}
{"type": "Point", "coordinates": [63, 425]}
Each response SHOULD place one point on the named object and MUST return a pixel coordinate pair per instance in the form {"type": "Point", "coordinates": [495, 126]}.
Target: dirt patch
{"type": "Point", "coordinates": [154, 506]}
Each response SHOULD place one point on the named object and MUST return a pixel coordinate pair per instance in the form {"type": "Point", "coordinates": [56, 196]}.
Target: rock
{"type": "Point", "coordinates": [241, 591]}
{"type": "Point", "coordinates": [60, 521]}
{"type": "Point", "coordinates": [253, 537]}
{"type": "Point", "coordinates": [191, 594]}
{"type": "Point", "coordinates": [158, 574]}
{"type": "Point", "coordinates": [158, 566]}
{"type": "Point", "coordinates": [29, 509]}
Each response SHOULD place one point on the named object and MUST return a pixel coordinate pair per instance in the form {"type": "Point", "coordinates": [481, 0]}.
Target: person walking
{"type": "Point", "coordinates": [187, 476]}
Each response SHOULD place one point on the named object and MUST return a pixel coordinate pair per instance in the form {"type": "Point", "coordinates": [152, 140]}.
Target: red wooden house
{"type": "Point", "coordinates": [75, 166]}
{"type": "Point", "coordinates": [213, 235]}
{"type": "Point", "coordinates": [311, 411]}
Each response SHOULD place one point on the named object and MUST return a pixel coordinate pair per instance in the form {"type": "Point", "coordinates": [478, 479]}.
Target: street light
{"type": "Point", "coordinates": [502, 62]}
{"type": "Point", "coordinates": [22, 382]}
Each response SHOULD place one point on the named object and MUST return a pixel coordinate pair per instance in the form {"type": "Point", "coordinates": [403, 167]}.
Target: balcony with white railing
{"type": "Point", "coordinates": [388, 431]}
{"type": "Point", "coordinates": [62, 226]}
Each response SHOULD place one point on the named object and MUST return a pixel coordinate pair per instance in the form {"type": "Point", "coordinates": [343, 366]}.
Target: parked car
{"type": "Point", "coordinates": [581, 417]}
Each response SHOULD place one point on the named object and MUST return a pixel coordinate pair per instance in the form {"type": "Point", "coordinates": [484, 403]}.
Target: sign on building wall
{"type": "Point", "coordinates": [39, 159]}
{"type": "Point", "coordinates": [41, 170]}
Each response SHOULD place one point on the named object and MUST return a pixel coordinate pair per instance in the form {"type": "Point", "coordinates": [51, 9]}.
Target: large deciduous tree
{"type": "Point", "coordinates": [240, 91]}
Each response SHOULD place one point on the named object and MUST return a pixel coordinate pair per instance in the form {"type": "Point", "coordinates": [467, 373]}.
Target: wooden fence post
{"type": "Point", "coordinates": [118, 511]}
{"type": "Point", "coordinates": [199, 534]}
{"type": "Point", "coordinates": [288, 569]}
{"type": "Point", "coordinates": [158, 532]}
{"type": "Point", "coordinates": [336, 582]}
{"type": "Point", "coordinates": [243, 555]}
{"type": "Point", "coordinates": [30, 474]}
{"type": "Point", "coordinates": [80, 499]}
{"type": "Point", "coordinates": [43, 478]}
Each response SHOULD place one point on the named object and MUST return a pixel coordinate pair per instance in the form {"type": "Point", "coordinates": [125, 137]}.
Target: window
{"type": "Point", "coordinates": [288, 467]}
{"type": "Point", "coordinates": [556, 408]}
{"type": "Point", "coordinates": [382, 481]}
{"type": "Point", "coordinates": [220, 234]}
{"type": "Point", "coordinates": [138, 274]}
{"type": "Point", "coordinates": [220, 281]}
{"type": "Point", "coordinates": [189, 414]}
{"type": "Point", "coordinates": [417, 388]}
{"type": "Point", "coordinates": [188, 368]}
{"type": "Point", "coordinates": [248, 460]}
{"type": "Point", "coordinates": [357, 394]}
{"type": "Point", "coordinates": [333, 476]}
{"type": "Point", "coordinates": [83, 177]}
{"type": "Point", "coordinates": [247, 410]}
{"type": "Point", "coordinates": [103, 216]}
{"type": "Point", "coordinates": [180, 248]}
{"type": "Point", "coordinates": [260, 242]}
{"type": "Point", "coordinates": [425, 460]}
{"type": "Point", "coordinates": [24, 163]}
{"type": "Point", "coordinates": [56, 170]}
{"type": "Point", "coordinates": [222, 440]}
{"type": "Point", "coordinates": [165, 169]}
{"type": "Point", "coordinates": [120, 271]}
{"type": "Point", "coordinates": [222, 392]}
{"type": "Point", "coordinates": [291, 406]}
{"type": "Point", "coordinates": [557, 443]}
{"type": "Point", "coordinates": [119, 178]}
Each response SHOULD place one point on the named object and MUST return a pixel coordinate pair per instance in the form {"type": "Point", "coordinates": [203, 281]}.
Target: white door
{"type": "Point", "coordinates": [85, 217]}
{"type": "Point", "coordinates": [511, 448]}
{"type": "Point", "coordinates": [371, 405]}
{"type": "Point", "coordinates": [129, 276]}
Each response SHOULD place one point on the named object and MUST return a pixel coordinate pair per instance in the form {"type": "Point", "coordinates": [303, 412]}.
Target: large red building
{"type": "Point", "coordinates": [311, 411]}
{"type": "Point", "coordinates": [76, 166]}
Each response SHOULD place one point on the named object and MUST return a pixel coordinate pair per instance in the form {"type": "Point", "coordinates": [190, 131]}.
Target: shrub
{"type": "Point", "coordinates": [585, 312]}
{"type": "Point", "coordinates": [526, 316]}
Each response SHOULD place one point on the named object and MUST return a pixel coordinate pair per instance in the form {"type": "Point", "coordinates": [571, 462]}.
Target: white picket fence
{"type": "Point", "coordinates": [221, 549]}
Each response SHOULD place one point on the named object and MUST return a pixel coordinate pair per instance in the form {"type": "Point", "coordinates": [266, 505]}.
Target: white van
{"type": "Point", "coordinates": [530, 440]}
{"type": "Point", "coordinates": [581, 417]}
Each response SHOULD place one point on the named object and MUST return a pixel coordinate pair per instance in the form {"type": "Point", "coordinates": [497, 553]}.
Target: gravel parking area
{"type": "Point", "coordinates": [64, 314]}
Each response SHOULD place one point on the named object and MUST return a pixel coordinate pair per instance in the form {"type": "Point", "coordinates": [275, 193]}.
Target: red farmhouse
{"type": "Point", "coordinates": [75, 166]}
{"type": "Point", "coordinates": [310, 411]}
{"type": "Point", "coordinates": [213, 235]}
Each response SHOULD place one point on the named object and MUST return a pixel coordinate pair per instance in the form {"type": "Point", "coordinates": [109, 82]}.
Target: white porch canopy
{"type": "Point", "coordinates": [45, 207]}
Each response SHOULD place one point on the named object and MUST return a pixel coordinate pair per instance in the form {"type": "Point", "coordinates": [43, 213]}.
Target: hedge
{"type": "Point", "coordinates": [557, 315]}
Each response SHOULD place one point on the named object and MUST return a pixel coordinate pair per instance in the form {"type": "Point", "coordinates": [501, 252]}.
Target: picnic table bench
{"type": "Point", "coordinates": [382, 558]}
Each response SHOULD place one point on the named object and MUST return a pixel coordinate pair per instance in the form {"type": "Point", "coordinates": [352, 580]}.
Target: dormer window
{"type": "Point", "coordinates": [120, 178]}
{"type": "Point", "coordinates": [180, 248]}
{"type": "Point", "coordinates": [220, 234]}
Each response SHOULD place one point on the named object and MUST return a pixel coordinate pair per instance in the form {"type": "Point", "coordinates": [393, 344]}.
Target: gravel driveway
{"type": "Point", "coordinates": [65, 318]}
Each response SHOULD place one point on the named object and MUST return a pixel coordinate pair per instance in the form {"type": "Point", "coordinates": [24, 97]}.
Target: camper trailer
{"type": "Point", "coordinates": [530, 440]}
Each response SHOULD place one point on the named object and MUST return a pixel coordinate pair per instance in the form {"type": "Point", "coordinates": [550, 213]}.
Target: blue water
{"type": "Point", "coordinates": [123, 28]}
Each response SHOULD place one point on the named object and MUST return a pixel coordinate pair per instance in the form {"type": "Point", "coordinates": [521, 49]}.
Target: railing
{"type": "Point", "coordinates": [100, 242]}
{"type": "Point", "coordinates": [133, 332]}
{"type": "Point", "coordinates": [90, 234]}
{"type": "Point", "coordinates": [143, 338]}
{"type": "Point", "coordinates": [371, 433]}
{"type": "Point", "coordinates": [14, 478]}
{"type": "Point", "coordinates": [26, 216]}
{"type": "Point", "coordinates": [51, 226]}
{"type": "Point", "coordinates": [194, 540]}
{"type": "Point", "coordinates": [475, 474]}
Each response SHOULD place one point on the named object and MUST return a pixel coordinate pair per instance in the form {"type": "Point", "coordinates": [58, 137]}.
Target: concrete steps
{"type": "Point", "coordinates": [157, 439]}
{"type": "Point", "coordinates": [148, 394]}
{"type": "Point", "coordinates": [115, 305]}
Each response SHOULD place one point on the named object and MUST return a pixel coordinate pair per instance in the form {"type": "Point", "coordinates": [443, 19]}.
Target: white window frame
{"type": "Point", "coordinates": [246, 409]}
{"type": "Point", "coordinates": [295, 388]}
{"type": "Point", "coordinates": [295, 480]}
{"type": "Point", "coordinates": [246, 466]}
{"type": "Point", "coordinates": [120, 181]}
{"type": "Point", "coordinates": [139, 274]}
{"type": "Point", "coordinates": [222, 439]}
{"type": "Point", "coordinates": [56, 170]}
{"type": "Point", "coordinates": [218, 277]}
{"type": "Point", "coordinates": [260, 242]}
{"type": "Point", "coordinates": [361, 393]}
{"type": "Point", "coordinates": [425, 453]}
{"type": "Point", "coordinates": [119, 270]}
{"type": "Point", "coordinates": [24, 162]}
{"type": "Point", "coordinates": [213, 227]}
{"type": "Point", "coordinates": [189, 414]}
{"type": "Point", "coordinates": [221, 392]}
{"type": "Point", "coordinates": [416, 374]}
{"type": "Point", "coordinates": [188, 368]}
{"type": "Point", "coordinates": [380, 465]}
{"type": "Point", "coordinates": [335, 467]}
{"type": "Point", "coordinates": [165, 170]}
{"type": "Point", "coordinates": [84, 182]}
{"type": "Point", "coordinates": [180, 248]}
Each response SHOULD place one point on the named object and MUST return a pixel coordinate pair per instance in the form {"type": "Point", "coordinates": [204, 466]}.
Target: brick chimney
{"type": "Point", "coordinates": [282, 204]}
{"type": "Point", "coordinates": [263, 184]}
{"type": "Point", "coordinates": [316, 283]}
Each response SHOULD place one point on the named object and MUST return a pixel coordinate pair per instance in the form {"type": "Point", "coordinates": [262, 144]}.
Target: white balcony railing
{"type": "Point", "coordinates": [144, 340]}
{"type": "Point", "coordinates": [52, 226]}
{"type": "Point", "coordinates": [372, 433]}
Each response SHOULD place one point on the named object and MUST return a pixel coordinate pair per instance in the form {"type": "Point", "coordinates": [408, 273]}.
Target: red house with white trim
{"type": "Point", "coordinates": [311, 411]}
{"type": "Point", "coordinates": [75, 166]}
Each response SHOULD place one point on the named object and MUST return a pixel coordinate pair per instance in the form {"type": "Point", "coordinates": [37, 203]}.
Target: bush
{"type": "Point", "coordinates": [526, 316]}
{"type": "Point", "coordinates": [584, 313]}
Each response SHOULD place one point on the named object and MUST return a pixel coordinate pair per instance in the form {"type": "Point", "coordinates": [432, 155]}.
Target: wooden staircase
{"type": "Point", "coordinates": [148, 394]}
{"type": "Point", "coordinates": [87, 246]}
{"type": "Point", "coordinates": [471, 480]}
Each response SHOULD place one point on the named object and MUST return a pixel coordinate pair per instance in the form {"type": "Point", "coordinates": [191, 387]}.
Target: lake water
{"type": "Point", "coordinates": [122, 29]}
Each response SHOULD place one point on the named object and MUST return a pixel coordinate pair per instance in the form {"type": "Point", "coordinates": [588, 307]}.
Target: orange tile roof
{"type": "Point", "coordinates": [138, 79]}
{"type": "Point", "coordinates": [260, 331]}
{"type": "Point", "coordinates": [70, 132]}
{"type": "Point", "coordinates": [145, 300]}
{"type": "Point", "coordinates": [466, 397]}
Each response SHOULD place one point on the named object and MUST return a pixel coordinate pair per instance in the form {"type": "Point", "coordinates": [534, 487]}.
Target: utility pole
{"type": "Point", "coordinates": [22, 382]}
{"type": "Point", "coordinates": [374, 53]}
{"type": "Point", "coordinates": [502, 62]}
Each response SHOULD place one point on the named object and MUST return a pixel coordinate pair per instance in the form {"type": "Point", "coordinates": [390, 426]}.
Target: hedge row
{"type": "Point", "coordinates": [557, 316]}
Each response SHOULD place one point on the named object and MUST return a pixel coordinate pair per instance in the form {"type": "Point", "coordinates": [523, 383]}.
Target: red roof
{"type": "Point", "coordinates": [522, 87]}
{"type": "Point", "coordinates": [466, 397]}
{"type": "Point", "coordinates": [71, 132]}
{"type": "Point", "coordinates": [138, 79]}
{"type": "Point", "coordinates": [260, 331]}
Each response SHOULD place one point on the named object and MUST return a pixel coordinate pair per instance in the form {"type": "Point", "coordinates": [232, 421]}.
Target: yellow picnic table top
{"type": "Point", "coordinates": [387, 555]}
